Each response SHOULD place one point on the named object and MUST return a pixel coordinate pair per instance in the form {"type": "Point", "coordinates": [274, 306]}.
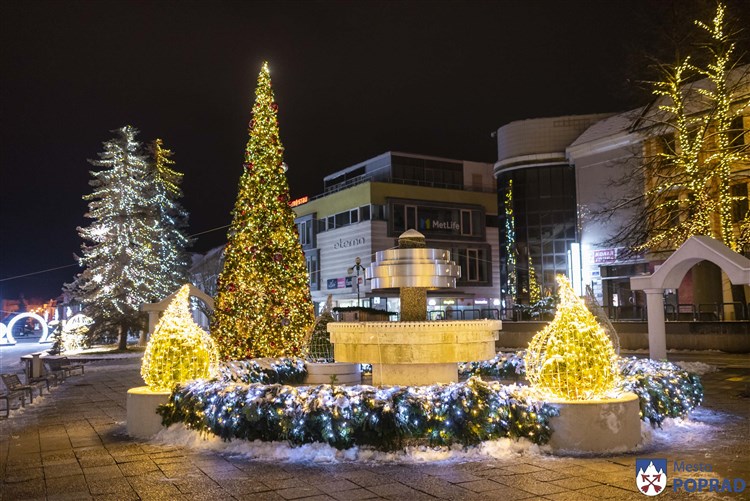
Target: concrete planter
{"type": "Point", "coordinates": [142, 420]}
{"type": "Point", "coordinates": [345, 373]}
{"type": "Point", "coordinates": [596, 426]}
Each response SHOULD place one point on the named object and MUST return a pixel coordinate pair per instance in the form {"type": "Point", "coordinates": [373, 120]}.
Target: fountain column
{"type": "Point", "coordinates": [413, 299]}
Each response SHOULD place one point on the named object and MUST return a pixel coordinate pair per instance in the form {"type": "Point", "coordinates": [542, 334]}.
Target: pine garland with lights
{"type": "Point", "coordinates": [263, 304]}
{"type": "Point", "coordinates": [664, 390]}
{"type": "Point", "coordinates": [388, 418]}
{"type": "Point", "coordinates": [385, 418]}
{"type": "Point", "coordinates": [572, 357]}
{"type": "Point", "coordinates": [179, 349]}
{"type": "Point", "coordinates": [503, 366]}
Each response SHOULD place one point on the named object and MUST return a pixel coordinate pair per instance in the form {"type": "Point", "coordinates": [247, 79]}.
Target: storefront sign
{"type": "Point", "coordinates": [602, 256]}
{"type": "Point", "coordinates": [298, 201]}
{"type": "Point", "coordinates": [352, 242]}
{"type": "Point", "coordinates": [436, 224]}
{"type": "Point", "coordinates": [338, 283]}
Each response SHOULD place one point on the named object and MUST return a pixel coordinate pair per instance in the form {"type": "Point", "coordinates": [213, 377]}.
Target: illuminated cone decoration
{"type": "Point", "coordinates": [572, 358]}
{"type": "Point", "coordinates": [179, 349]}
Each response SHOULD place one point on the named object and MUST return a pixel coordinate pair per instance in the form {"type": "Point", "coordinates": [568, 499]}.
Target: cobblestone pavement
{"type": "Point", "coordinates": [72, 445]}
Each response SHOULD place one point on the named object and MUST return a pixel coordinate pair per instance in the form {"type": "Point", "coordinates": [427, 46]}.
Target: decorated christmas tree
{"type": "Point", "coordinates": [179, 349]}
{"type": "Point", "coordinates": [572, 358]}
{"type": "Point", "coordinates": [263, 305]}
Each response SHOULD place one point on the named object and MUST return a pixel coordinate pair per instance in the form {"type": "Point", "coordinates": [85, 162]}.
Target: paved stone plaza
{"type": "Point", "coordinates": [72, 445]}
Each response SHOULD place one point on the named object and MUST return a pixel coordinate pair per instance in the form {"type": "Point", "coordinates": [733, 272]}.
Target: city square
{"type": "Point", "coordinates": [564, 318]}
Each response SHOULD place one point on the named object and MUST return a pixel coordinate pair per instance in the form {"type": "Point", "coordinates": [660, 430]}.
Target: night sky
{"type": "Point", "coordinates": [352, 80]}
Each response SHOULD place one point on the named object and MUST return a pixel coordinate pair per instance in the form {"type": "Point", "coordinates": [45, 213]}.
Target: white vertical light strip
{"type": "Point", "coordinates": [574, 263]}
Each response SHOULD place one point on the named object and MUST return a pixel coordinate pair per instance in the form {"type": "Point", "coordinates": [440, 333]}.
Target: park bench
{"type": "Point", "coordinates": [14, 386]}
{"type": "Point", "coordinates": [8, 394]}
{"type": "Point", "coordinates": [62, 366]}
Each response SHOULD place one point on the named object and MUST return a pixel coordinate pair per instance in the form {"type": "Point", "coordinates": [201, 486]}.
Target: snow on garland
{"type": "Point", "coordinates": [664, 389]}
{"type": "Point", "coordinates": [343, 416]}
{"type": "Point", "coordinates": [241, 404]}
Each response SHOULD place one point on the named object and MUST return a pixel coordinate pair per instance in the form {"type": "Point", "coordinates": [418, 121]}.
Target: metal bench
{"type": "Point", "coordinates": [63, 364]}
{"type": "Point", "coordinates": [14, 386]}
{"type": "Point", "coordinates": [7, 395]}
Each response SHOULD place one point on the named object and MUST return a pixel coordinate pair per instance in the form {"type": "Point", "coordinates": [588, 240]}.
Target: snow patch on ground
{"type": "Point", "coordinates": [504, 448]}
{"type": "Point", "coordinates": [698, 368]}
{"type": "Point", "coordinates": [694, 429]}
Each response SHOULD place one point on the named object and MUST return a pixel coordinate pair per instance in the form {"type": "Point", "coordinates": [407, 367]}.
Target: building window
{"type": "Point", "coordinates": [411, 217]}
{"type": "Point", "coordinates": [342, 219]}
{"type": "Point", "coordinates": [472, 265]}
{"type": "Point", "coordinates": [476, 266]}
{"type": "Point", "coordinates": [737, 132]}
{"type": "Point", "coordinates": [312, 259]}
{"type": "Point", "coordinates": [739, 202]}
{"type": "Point", "coordinates": [354, 216]}
{"type": "Point", "coordinates": [306, 229]}
{"type": "Point", "coordinates": [672, 212]}
{"type": "Point", "coordinates": [466, 222]}
{"type": "Point", "coordinates": [364, 213]}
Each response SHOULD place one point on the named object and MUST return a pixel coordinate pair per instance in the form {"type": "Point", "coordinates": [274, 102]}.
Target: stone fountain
{"type": "Point", "coordinates": [414, 351]}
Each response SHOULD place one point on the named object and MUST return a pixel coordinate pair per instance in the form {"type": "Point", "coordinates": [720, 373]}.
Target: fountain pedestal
{"type": "Point", "coordinates": [414, 353]}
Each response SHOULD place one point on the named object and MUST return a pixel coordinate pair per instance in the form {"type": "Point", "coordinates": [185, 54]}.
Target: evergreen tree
{"type": "Point", "coordinates": [263, 305]}
{"type": "Point", "coordinates": [171, 217]}
{"type": "Point", "coordinates": [118, 254]}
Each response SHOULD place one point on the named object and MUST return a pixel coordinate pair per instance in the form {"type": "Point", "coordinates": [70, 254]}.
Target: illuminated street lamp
{"type": "Point", "coordinates": [356, 269]}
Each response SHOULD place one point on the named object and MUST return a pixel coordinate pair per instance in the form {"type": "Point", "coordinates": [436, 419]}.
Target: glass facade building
{"type": "Point", "coordinates": [537, 228]}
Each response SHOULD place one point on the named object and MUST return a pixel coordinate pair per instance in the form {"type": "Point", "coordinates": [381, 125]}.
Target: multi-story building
{"type": "Point", "coordinates": [364, 208]}
{"type": "Point", "coordinates": [537, 197]}
{"type": "Point", "coordinates": [558, 179]}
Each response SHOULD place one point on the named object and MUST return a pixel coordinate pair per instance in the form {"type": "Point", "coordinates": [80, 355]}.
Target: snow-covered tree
{"type": "Point", "coordinates": [119, 253]}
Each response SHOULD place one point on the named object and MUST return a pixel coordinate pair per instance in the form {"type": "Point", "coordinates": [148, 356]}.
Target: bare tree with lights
{"type": "Point", "coordinates": [692, 178]}
{"type": "Point", "coordinates": [263, 306]}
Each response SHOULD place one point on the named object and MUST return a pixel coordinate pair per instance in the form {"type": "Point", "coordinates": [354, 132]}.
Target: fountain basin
{"type": "Point", "coordinates": [414, 353]}
{"type": "Point", "coordinates": [596, 426]}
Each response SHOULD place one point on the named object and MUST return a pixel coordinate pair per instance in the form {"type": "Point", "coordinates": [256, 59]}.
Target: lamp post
{"type": "Point", "coordinates": [356, 269]}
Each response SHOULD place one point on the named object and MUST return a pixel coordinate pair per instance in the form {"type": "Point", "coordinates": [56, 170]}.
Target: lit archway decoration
{"type": "Point", "coordinates": [6, 338]}
{"type": "Point", "coordinates": [45, 329]}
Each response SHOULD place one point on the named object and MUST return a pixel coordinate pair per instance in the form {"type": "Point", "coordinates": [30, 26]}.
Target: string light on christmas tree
{"type": "Point", "coordinates": [263, 304]}
{"type": "Point", "coordinates": [572, 357]}
{"type": "Point", "coordinates": [179, 349]}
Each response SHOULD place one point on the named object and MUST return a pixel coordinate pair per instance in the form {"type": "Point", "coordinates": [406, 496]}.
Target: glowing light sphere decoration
{"type": "Point", "coordinates": [179, 350]}
{"type": "Point", "coordinates": [572, 358]}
